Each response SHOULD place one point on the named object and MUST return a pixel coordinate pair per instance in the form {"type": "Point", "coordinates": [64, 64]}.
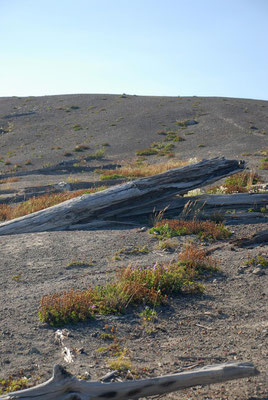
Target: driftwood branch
{"type": "Point", "coordinates": [64, 386]}
{"type": "Point", "coordinates": [93, 210]}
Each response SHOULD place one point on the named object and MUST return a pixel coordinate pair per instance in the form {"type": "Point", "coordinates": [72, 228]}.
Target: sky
{"type": "Point", "coordinates": [142, 47]}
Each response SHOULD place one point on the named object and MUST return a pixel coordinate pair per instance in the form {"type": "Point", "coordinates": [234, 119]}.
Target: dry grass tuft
{"type": "Point", "coordinates": [8, 180]}
{"type": "Point", "coordinates": [139, 170]}
{"type": "Point", "coordinates": [38, 203]}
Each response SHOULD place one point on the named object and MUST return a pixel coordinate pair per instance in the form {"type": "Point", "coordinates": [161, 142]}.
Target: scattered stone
{"type": "Point", "coordinates": [143, 229]}
{"type": "Point", "coordinates": [241, 270]}
{"type": "Point", "coordinates": [258, 271]}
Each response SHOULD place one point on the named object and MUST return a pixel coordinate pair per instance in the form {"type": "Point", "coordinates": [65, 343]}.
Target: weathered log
{"type": "Point", "coordinates": [94, 209]}
{"type": "Point", "coordinates": [64, 386]}
{"type": "Point", "coordinates": [209, 204]}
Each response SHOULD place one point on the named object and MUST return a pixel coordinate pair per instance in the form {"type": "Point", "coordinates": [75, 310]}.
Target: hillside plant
{"type": "Point", "coordinates": [205, 230]}
{"type": "Point", "coordinates": [147, 285]}
{"type": "Point", "coordinates": [237, 183]}
{"type": "Point", "coordinates": [140, 169]}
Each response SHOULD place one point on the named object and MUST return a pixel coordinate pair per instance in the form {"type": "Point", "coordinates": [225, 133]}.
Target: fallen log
{"type": "Point", "coordinates": [249, 204]}
{"type": "Point", "coordinates": [64, 386]}
{"type": "Point", "coordinates": [93, 210]}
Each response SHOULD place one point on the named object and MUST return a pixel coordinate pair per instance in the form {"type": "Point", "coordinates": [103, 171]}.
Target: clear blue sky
{"type": "Point", "coordinates": [143, 47]}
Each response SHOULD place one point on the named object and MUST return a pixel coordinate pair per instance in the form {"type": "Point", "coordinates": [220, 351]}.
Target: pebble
{"type": "Point", "coordinates": [258, 271]}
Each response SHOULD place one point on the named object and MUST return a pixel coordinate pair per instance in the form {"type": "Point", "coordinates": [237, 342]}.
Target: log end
{"type": "Point", "coordinates": [60, 373]}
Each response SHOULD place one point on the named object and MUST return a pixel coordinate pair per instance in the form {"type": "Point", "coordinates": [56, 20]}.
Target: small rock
{"type": "Point", "coordinates": [240, 270]}
{"type": "Point", "coordinates": [143, 229]}
{"type": "Point", "coordinates": [258, 271]}
{"type": "Point", "coordinates": [33, 350]}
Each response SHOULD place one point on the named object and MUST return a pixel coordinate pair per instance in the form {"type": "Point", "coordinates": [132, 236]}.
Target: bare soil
{"type": "Point", "coordinates": [228, 322]}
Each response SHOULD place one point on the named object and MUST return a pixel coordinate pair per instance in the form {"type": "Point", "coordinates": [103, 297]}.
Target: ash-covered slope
{"type": "Point", "coordinates": [41, 132]}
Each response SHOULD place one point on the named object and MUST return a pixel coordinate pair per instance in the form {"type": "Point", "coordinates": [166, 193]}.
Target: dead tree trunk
{"type": "Point", "coordinates": [64, 386]}
{"type": "Point", "coordinates": [93, 210]}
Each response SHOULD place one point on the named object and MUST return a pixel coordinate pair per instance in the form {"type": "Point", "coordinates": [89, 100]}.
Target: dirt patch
{"type": "Point", "coordinates": [228, 322]}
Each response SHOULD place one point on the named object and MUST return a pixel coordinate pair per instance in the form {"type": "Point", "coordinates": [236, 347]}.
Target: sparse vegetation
{"type": "Point", "coordinates": [186, 122]}
{"type": "Point", "coordinates": [133, 250]}
{"type": "Point", "coordinates": [264, 163]}
{"type": "Point", "coordinates": [237, 183]}
{"type": "Point", "coordinates": [38, 203]}
{"type": "Point", "coordinates": [77, 127]}
{"type": "Point", "coordinates": [97, 155]}
{"type": "Point", "coordinates": [261, 261]}
{"type": "Point", "coordinates": [205, 230]}
{"type": "Point", "coordinates": [8, 180]}
{"type": "Point", "coordinates": [12, 385]}
{"type": "Point", "coordinates": [148, 285]}
{"type": "Point", "coordinates": [157, 148]}
{"type": "Point", "coordinates": [171, 136]}
{"type": "Point", "coordinates": [139, 170]}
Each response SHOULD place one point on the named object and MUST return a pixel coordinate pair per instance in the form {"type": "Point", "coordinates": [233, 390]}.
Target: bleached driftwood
{"type": "Point", "coordinates": [64, 386]}
{"type": "Point", "coordinates": [93, 210]}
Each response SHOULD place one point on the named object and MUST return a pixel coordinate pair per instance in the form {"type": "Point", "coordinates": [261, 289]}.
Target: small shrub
{"type": "Point", "coordinates": [148, 314]}
{"type": "Point", "coordinates": [98, 154]}
{"type": "Point", "coordinates": [148, 285]}
{"type": "Point", "coordinates": [77, 127]}
{"type": "Point", "coordinates": [206, 230]}
{"type": "Point", "coordinates": [74, 107]}
{"type": "Point", "coordinates": [262, 261]}
{"type": "Point", "coordinates": [237, 183]}
{"type": "Point", "coordinates": [12, 385]}
{"type": "Point", "coordinates": [147, 152]}
{"type": "Point", "coordinates": [108, 177]}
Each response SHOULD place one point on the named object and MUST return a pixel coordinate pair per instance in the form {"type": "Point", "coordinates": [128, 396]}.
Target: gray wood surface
{"type": "Point", "coordinates": [63, 386]}
{"type": "Point", "coordinates": [123, 199]}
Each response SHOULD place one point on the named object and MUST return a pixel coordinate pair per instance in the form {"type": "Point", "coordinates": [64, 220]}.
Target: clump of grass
{"type": "Point", "coordinates": [148, 314]}
{"type": "Point", "coordinates": [134, 250]}
{"type": "Point", "coordinates": [261, 260]}
{"type": "Point", "coordinates": [107, 177]}
{"type": "Point", "coordinates": [147, 152]}
{"type": "Point", "coordinates": [139, 170]}
{"type": "Point", "coordinates": [168, 245]}
{"type": "Point", "coordinates": [171, 136]}
{"type": "Point", "coordinates": [186, 122]}
{"type": "Point", "coordinates": [148, 285]}
{"type": "Point", "coordinates": [237, 183]}
{"type": "Point", "coordinates": [264, 164]}
{"type": "Point", "coordinates": [12, 385]}
{"type": "Point", "coordinates": [8, 180]}
{"type": "Point", "coordinates": [38, 203]}
{"type": "Point", "coordinates": [121, 363]}
{"type": "Point", "coordinates": [98, 154]}
{"type": "Point", "coordinates": [77, 127]}
{"type": "Point", "coordinates": [205, 230]}
{"type": "Point", "coordinates": [157, 148]}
